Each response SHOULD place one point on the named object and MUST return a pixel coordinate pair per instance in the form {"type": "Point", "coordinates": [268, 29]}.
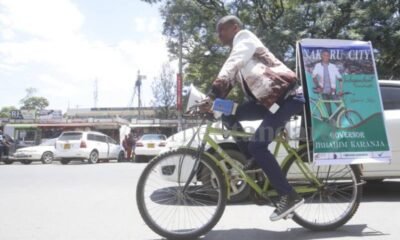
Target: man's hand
{"type": "Point", "coordinates": [205, 105]}
{"type": "Point", "coordinates": [317, 90]}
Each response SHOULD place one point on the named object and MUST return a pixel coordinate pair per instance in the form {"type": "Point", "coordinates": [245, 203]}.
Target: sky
{"type": "Point", "coordinates": [61, 47]}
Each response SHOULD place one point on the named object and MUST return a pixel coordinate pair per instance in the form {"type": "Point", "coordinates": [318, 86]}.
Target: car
{"type": "Point", "coordinates": [43, 152]}
{"type": "Point", "coordinates": [8, 147]}
{"type": "Point", "coordinates": [91, 145]}
{"type": "Point", "coordinates": [149, 145]}
{"type": "Point", "coordinates": [390, 92]}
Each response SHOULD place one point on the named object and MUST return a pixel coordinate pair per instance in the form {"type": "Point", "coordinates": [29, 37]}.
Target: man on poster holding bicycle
{"type": "Point", "coordinates": [272, 96]}
{"type": "Point", "coordinates": [325, 74]}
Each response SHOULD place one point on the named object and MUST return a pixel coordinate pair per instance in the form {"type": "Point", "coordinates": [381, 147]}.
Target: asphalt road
{"type": "Point", "coordinates": [83, 201]}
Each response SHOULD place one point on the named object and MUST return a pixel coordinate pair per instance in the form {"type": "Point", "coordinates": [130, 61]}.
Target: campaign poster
{"type": "Point", "coordinates": [48, 115]}
{"type": "Point", "coordinates": [23, 114]}
{"type": "Point", "coordinates": [344, 102]}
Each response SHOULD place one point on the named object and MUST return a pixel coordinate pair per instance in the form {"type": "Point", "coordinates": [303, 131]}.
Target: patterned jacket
{"type": "Point", "coordinates": [267, 78]}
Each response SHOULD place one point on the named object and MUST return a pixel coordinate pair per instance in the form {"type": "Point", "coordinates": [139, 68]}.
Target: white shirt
{"type": "Point", "coordinates": [245, 46]}
{"type": "Point", "coordinates": [334, 74]}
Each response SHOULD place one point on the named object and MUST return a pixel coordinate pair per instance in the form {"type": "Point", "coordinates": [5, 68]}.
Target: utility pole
{"type": "Point", "coordinates": [95, 93]}
{"type": "Point", "coordinates": [179, 81]}
{"type": "Point", "coordinates": [138, 85]}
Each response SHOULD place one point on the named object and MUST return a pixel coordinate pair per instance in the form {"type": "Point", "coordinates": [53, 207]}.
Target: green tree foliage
{"type": "Point", "coordinates": [33, 102]}
{"type": "Point", "coordinates": [5, 111]}
{"type": "Point", "coordinates": [279, 24]}
{"type": "Point", "coordinates": [37, 103]}
{"type": "Point", "coordinates": [164, 91]}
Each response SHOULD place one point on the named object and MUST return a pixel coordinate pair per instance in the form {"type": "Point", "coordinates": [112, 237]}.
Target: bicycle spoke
{"type": "Point", "coordinates": [174, 206]}
{"type": "Point", "coordinates": [335, 200]}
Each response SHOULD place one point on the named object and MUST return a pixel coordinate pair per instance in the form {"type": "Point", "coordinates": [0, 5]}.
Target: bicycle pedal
{"type": "Point", "coordinates": [289, 216]}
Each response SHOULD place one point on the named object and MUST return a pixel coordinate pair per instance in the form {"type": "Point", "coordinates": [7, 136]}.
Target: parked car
{"type": "Point", "coordinates": [8, 147]}
{"type": "Point", "coordinates": [149, 145]}
{"type": "Point", "coordinates": [90, 145]}
{"type": "Point", "coordinates": [43, 152]}
{"type": "Point", "coordinates": [390, 92]}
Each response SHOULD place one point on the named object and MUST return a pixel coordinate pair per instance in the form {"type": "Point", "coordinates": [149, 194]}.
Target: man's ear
{"type": "Point", "coordinates": [236, 27]}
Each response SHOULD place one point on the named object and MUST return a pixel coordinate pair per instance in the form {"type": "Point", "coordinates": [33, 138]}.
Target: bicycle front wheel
{"type": "Point", "coordinates": [332, 195]}
{"type": "Point", "coordinates": [173, 210]}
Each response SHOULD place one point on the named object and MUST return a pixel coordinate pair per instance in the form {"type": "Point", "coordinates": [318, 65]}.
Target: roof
{"type": "Point", "coordinates": [34, 125]}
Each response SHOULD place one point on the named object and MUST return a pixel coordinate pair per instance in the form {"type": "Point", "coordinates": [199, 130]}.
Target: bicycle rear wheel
{"type": "Point", "coordinates": [173, 212]}
{"type": "Point", "coordinates": [348, 119]}
{"type": "Point", "coordinates": [332, 203]}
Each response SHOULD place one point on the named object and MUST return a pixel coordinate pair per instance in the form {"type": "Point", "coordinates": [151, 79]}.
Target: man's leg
{"type": "Point", "coordinates": [128, 153]}
{"type": "Point", "coordinates": [258, 146]}
{"type": "Point", "coordinates": [328, 105]}
{"type": "Point", "coordinates": [250, 110]}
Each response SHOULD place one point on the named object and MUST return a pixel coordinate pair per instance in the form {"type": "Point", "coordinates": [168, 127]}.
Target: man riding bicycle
{"type": "Point", "coordinates": [271, 94]}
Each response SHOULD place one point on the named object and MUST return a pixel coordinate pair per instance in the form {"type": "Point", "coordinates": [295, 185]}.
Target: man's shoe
{"type": "Point", "coordinates": [250, 165]}
{"type": "Point", "coordinates": [286, 205]}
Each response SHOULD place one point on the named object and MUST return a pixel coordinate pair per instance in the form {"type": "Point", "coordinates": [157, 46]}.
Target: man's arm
{"type": "Point", "coordinates": [315, 77]}
{"type": "Point", "coordinates": [339, 77]}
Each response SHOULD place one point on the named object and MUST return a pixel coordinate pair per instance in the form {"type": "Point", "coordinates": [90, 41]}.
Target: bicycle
{"type": "Point", "coordinates": [182, 194]}
{"type": "Point", "coordinates": [343, 117]}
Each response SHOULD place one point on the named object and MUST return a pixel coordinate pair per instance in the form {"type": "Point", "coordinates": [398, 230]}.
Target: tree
{"type": "Point", "coordinates": [279, 24]}
{"type": "Point", "coordinates": [5, 111]}
{"type": "Point", "coordinates": [164, 91]}
{"type": "Point", "coordinates": [33, 102]}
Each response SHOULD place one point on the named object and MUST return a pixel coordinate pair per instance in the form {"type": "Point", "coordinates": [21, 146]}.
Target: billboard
{"type": "Point", "coordinates": [344, 101]}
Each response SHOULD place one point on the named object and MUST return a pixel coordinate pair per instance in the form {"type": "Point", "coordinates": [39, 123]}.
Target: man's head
{"type": "Point", "coordinates": [227, 27]}
{"type": "Point", "coordinates": [325, 56]}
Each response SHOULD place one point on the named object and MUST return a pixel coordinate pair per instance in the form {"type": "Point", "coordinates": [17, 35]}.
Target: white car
{"type": "Point", "coordinates": [90, 145]}
{"type": "Point", "coordinates": [43, 152]}
{"type": "Point", "coordinates": [149, 145]}
{"type": "Point", "coordinates": [390, 92]}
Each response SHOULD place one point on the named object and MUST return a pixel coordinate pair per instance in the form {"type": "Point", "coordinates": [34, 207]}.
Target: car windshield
{"type": "Point", "coordinates": [153, 137]}
{"type": "Point", "coordinates": [71, 136]}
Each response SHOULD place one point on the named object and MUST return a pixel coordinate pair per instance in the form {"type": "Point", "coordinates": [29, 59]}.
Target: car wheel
{"type": "Point", "coordinates": [239, 189]}
{"type": "Point", "coordinates": [64, 161]}
{"type": "Point", "coordinates": [139, 158]}
{"type": "Point", "coordinates": [47, 157]}
{"type": "Point", "coordinates": [6, 161]}
{"type": "Point", "coordinates": [93, 157]}
{"type": "Point", "coordinates": [121, 156]}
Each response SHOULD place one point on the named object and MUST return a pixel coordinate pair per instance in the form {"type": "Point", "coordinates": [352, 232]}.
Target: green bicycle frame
{"type": "Point", "coordinates": [320, 104]}
{"type": "Point", "coordinates": [280, 142]}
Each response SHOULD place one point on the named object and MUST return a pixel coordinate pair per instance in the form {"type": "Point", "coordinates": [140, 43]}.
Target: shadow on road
{"type": "Point", "coordinates": [294, 233]}
{"type": "Point", "coordinates": [382, 191]}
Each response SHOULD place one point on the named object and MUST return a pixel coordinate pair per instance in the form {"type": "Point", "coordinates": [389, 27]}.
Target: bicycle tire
{"type": "Point", "coordinates": [341, 191]}
{"type": "Point", "coordinates": [348, 119]}
{"type": "Point", "coordinates": [159, 190]}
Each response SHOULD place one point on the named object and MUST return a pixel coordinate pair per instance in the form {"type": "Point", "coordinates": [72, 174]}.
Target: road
{"type": "Point", "coordinates": [83, 201]}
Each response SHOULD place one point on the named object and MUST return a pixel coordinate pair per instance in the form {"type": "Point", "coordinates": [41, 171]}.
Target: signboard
{"type": "Point", "coordinates": [23, 114]}
{"type": "Point", "coordinates": [344, 101]}
{"type": "Point", "coordinates": [49, 115]}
